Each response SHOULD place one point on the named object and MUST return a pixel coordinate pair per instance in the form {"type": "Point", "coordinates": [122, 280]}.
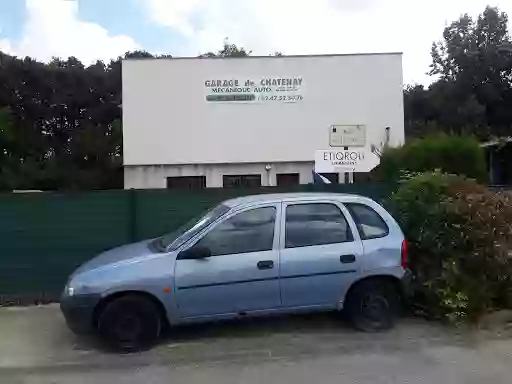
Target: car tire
{"type": "Point", "coordinates": [373, 306]}
{"type": "Point", "coordinates": [130, 323]}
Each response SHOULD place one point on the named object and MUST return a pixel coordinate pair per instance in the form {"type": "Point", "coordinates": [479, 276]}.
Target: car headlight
{"type": "Point", "coordinates": [70, 291]}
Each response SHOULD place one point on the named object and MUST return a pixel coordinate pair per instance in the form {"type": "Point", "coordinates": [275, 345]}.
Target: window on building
{"type": "Point", "coordinates": [246, 232]}
{"type": "Point", "coordinates": [287, 179]}
{"type": "Point", "coordinates": [241, 181]}
{"type": "Point", "coordinates": [334, 178]}
{"type": "Point", "coordinates": [315, 224]}
{"type": "Point", "coordinates": [186, 182]}
{"type": "Point", "coordinates": [369, 223]}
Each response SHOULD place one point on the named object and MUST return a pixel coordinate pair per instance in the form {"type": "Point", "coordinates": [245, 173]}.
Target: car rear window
{"type": "Point", "coordinates": [369, 223]}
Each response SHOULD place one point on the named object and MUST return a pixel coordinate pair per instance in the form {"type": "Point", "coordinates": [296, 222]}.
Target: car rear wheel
{"type": "Point", "coordinates": [129, 324]}
{"type": "Point", "coordinates": [373, 306]}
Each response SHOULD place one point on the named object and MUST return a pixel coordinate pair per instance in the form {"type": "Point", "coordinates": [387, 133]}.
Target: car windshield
{"type": "Point", "coordinates": [175, 239]}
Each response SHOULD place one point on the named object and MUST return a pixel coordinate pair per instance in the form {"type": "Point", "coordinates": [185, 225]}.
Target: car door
{"type": "Point", "coordinates": [382, 241]}
{"type": "Point", "coordinates": [321, 253]}
{"type": "Point", "coordinates": [242, 273]}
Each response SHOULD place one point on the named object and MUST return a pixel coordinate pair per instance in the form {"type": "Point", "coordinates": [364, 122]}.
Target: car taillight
{"type": "Point", "coordinates": [404, 261]}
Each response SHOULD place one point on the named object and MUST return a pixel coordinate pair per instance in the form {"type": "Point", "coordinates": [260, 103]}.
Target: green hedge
{"type": "Point", "coordinates": [460, 236]}
{"type": "Point", "coordinates": [461, 155]}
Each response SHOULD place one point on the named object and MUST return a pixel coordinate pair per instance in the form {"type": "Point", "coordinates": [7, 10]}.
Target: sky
{"type": "Point", "coordinates": [103, 29]}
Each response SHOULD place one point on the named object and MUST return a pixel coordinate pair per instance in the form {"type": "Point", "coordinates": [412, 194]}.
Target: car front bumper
{"type": "Point", "coordinates": [79, 312]}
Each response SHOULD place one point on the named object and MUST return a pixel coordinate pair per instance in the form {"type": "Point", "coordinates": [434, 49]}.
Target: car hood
{"type": "Point", "coordinates": [125, 253]}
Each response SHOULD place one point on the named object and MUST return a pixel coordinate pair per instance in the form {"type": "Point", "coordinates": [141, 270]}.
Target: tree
{"type": "Point", "coordinates": [474, 91]}
{"type": "Point", "coordinates": [228, 50]}
{"type": "Point", "coordinates": [7, 147]}
{"type": "Point", "coordinates": [62, 123]}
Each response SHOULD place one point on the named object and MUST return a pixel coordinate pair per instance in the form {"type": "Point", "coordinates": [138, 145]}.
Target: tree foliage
{"type": "Point", "coordinates": [60, 125]}
{"type": "Point", "coordinates": [228, 50]}
{"type": "Point", "coordinates": [458, 155]}
{"type": "Point", "coordinates": [473, 93]}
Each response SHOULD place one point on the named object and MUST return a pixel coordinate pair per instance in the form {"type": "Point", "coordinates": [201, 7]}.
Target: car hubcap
{"type": "Point", "coordinates": [374, 307]}
{"type": "Point", "coordinates": [127, 328]}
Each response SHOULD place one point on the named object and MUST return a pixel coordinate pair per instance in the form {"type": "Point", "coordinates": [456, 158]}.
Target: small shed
{"type": "Point", "coordinates": [499, 160]}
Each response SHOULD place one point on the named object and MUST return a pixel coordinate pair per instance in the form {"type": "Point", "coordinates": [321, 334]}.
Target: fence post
{"type": "Point", "coordinates": [132, 215]}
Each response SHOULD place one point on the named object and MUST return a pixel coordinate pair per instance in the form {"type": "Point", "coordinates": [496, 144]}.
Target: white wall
{"type": "Point", "coordinates": [155, 176]}
{"type": "Point", "coordinates": [166, 119]}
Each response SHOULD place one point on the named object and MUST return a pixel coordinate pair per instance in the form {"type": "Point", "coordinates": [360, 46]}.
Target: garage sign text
{"type": "Point", "coordinates": [284, 89]}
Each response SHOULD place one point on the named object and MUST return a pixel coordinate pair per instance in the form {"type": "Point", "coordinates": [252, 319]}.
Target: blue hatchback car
{"type": "Point", "coordinates": [250, 256]}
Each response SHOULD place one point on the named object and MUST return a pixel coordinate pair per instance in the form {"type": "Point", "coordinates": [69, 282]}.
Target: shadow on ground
{"type": "Point", "coordinates": [38, 337]}
{"type": "Point", "coordinates": [259, 327]}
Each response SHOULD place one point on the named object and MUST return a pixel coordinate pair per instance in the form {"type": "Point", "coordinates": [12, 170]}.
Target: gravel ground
{"type": "Point", "coordinates": [36, 347]}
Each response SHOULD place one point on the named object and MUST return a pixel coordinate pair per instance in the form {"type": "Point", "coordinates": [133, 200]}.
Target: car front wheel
{"type": "Point", "coordinates": [130, 323]}
{"type": "Point", "coordinates": [373, 306]}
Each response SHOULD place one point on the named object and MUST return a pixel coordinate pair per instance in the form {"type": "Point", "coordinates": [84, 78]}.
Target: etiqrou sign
{"type": "Point", "coordinates": [351, 160]}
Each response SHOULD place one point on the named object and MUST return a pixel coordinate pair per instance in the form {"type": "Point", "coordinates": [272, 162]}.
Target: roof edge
{"type": "Point", "coordinates": [264, 57]}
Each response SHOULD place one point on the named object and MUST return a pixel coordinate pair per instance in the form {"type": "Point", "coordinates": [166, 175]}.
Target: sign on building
{"type": "Point", "coordinates": [254, 90]}
{"type": "Point", "coordinates": [352, 160]}
{"type": "Point", "coordinates": [347, 135]}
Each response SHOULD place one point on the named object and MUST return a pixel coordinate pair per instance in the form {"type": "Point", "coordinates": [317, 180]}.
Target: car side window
{"type": "Point", "coordinates": [369, 223]}
{"type": "Point", "coordinates": [245, 232]}
{"type": "Point", "coordinates": [315, 224]}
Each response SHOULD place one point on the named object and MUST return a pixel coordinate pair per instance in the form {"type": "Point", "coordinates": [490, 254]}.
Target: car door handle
{"type": "Point", "coordinates": [265, 264]}
{"type": "Point", "coordinates": [347, 259]}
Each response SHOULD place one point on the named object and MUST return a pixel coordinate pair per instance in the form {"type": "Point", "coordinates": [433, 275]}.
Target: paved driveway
{"type": "Point", "coordinates": [35, 347]}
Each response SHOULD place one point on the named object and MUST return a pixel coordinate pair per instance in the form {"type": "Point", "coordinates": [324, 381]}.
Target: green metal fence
{"type": "Point", "coordinates": [45, 236]}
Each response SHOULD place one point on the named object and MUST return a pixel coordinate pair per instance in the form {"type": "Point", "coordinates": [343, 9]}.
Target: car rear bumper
{"type": "Point", "coordinates": [79, 312]}
{"type": "Point", "coordinates": [406, 285]}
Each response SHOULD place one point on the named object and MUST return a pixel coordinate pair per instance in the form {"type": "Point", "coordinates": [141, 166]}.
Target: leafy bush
{"type": "Point", "coordinates": [459, 155]}
{"type": "Point", "coordinates": [460, 238]}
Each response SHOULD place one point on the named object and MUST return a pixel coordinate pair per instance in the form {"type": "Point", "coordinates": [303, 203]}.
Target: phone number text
{"type": "Point", "coordinates": [280, 98]}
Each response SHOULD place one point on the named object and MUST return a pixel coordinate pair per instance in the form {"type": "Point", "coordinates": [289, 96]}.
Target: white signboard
{"type": "Point", "coordinates": [352, 160]}
{"type": "Point", "coordinates": [347, 136]}
{"type": "Point", "coordinates": [254, 90]}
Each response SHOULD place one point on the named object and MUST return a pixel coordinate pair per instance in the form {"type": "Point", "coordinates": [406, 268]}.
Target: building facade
{"type": "Point", "coordinates": [228, 122]}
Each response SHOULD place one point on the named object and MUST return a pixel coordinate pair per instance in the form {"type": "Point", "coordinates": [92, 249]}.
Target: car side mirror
{"type": "Point", "coordinates": [194, 253]}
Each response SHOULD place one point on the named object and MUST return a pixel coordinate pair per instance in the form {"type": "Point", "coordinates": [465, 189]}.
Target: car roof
{"type": "Point", "coordinates": [297, 196]}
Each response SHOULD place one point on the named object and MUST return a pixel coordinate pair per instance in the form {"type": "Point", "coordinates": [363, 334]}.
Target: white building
{"type": "Point", "coordinates": [214, 122]}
